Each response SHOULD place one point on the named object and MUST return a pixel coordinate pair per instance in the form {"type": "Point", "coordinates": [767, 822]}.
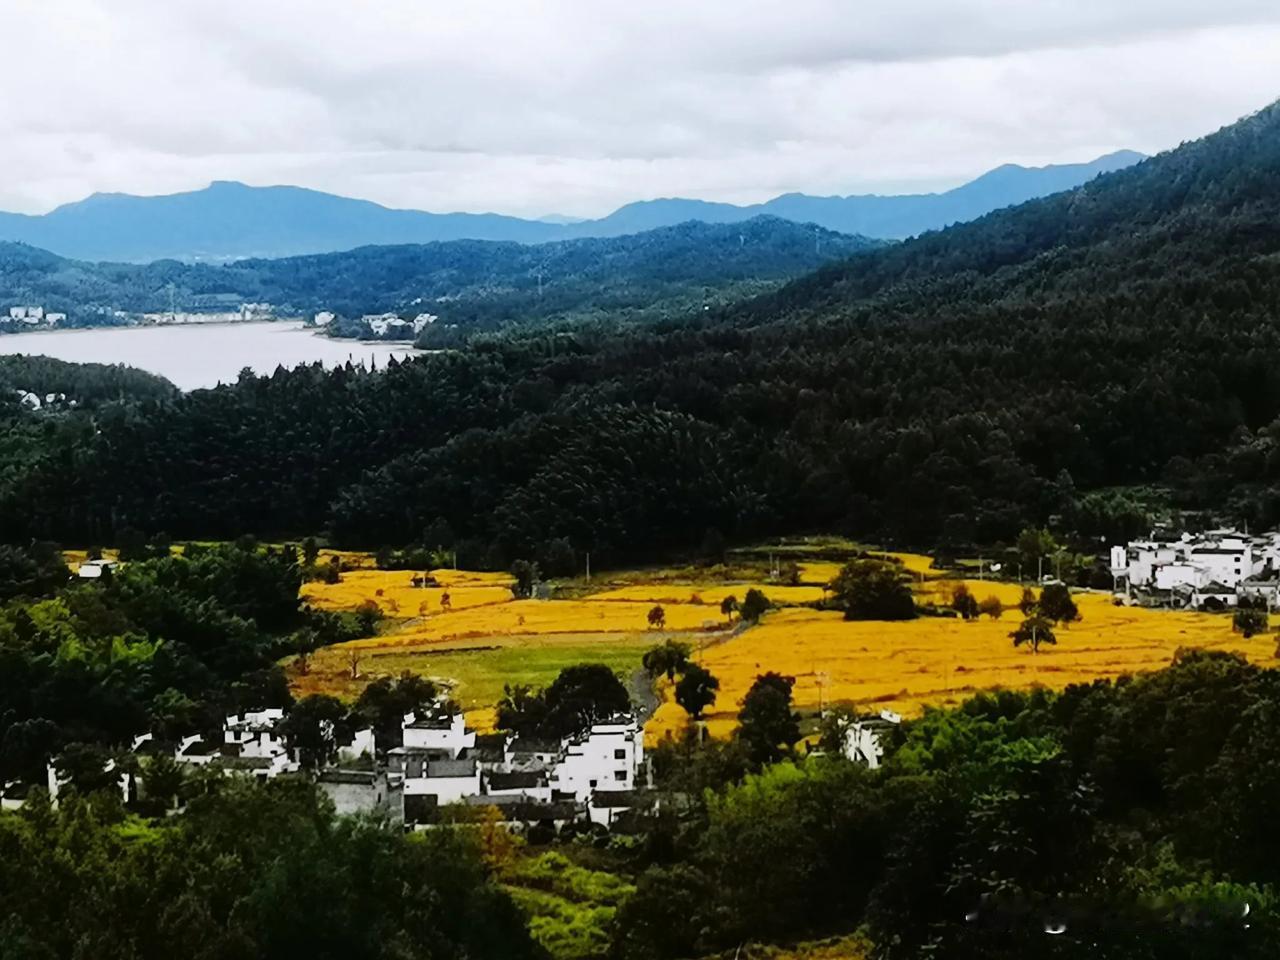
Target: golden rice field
{"type": "Point", "coordinates": [543, 617]}
{"type": "Point", "coordinates": [394, 593]}
{"type": "Point", "coordinates": [710, 595]}
{"type": "Point", "coordinates": [940, 661]}
{"type": "Point", "coordinates": [487, 639]}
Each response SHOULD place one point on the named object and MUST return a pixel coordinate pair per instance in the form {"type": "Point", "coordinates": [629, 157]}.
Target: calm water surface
{"type": "Point", "coordinates": [202, 355]}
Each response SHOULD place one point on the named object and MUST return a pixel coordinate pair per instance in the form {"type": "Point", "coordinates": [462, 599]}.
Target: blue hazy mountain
{"type": "Point", "coordinates": [229, 221]}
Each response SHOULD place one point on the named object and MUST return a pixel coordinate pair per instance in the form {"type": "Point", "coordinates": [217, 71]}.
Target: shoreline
{"type": "Point", "coordinates": [293, 324]}
{"type": "Point", "coordinates": [195, 356]}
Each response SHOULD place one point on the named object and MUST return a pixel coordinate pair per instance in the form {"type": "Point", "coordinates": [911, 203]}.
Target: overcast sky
{"type": "Point", "coordinates": [532, 107]}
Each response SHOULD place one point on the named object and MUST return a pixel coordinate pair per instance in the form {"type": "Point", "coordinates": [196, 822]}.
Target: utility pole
{"type": "Point", "coordinates": [588, 566]}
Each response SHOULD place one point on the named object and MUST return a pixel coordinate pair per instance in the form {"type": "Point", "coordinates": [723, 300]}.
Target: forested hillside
{"type": "Point", "coordinates": [472, 283]}
{"type": "Point", "coordinates": [953, 388]}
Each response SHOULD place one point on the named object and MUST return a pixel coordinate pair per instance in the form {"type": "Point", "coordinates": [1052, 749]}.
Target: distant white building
{"type": "Point", "coordinates": [607, 757]}
{"type": "Point", "coordinates": [252, 744]}
{"type": "Point", "coordinates": [865, 738]}
{"type": "Point", "coordinates": [442, 732]}
{"type": "Point", "coordinates": [94, 569]}
{"type": "Point", "coordinates": [255, 733]}
{"type": "Point", "coordinates": [381, 324]}
{"type": "Point", "coordinates": [430, 775]}
{"type": "Point", "coordinates": [1197, 569]}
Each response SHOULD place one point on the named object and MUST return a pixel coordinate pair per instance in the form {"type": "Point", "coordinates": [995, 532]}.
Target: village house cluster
{"type": "Point", "coordinates": [594, 777]}
{"type": "Point", "coordinates": [35, 317]}
{"type": "Point", "coordinates": [383, 324]}
{"type": "Point", "coordinates": [245, 313]}
{"type": "Point", "coordinates": [1211, 570]}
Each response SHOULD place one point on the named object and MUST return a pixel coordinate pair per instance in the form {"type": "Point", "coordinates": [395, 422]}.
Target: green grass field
{"type": "Point", "coordinates": [482, 667]}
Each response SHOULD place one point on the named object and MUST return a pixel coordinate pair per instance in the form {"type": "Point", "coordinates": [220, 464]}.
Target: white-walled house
{"type": "Point", "coordinates": [94, 569]}
{"type": "Point", "coordinates": [864, 738]}
{"type": "Point", "coordinates": [444, 732]}
{"type": "Point", "coordinates": [609, 756]}
{"type": "Point", "coordinates": [429, 773]}
{"type": "Point", "coordinates": [251, 744]}
{"type": "Point", "coordinates": [255, 733]}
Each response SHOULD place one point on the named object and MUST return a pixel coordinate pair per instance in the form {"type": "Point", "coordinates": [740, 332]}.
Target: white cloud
{"type": "Point", "coordinates": [577, 107]}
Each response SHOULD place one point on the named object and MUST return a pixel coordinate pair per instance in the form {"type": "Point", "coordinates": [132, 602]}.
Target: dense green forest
{"type": "Point", "coordinates": [168, 644]}
{"type": "Point", "coordinates": [951, 389]}
{"type": "Point", "coordinates": [81, 384]}
{"type": "Point", "coordinates": [467, 283]}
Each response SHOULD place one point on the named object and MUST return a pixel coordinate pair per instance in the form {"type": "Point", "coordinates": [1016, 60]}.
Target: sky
{"type": "Point", "coordinates": [533, 107]}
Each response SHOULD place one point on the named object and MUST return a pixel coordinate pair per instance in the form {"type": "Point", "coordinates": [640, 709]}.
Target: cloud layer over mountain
{"type": "Point", "coordinates": [577, 108]}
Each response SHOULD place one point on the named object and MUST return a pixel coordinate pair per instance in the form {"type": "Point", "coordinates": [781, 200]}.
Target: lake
{"type": "Point", "coordinates": [202, 355]}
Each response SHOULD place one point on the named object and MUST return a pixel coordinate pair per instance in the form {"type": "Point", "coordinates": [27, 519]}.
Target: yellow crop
{"type": "Point", "coordinates": [932, 660]}
{"type": "Point", "coordinates": [488, 639]}
{"type": "Point", "coordinates": [545, 617]}
{"type": "Point", "coordinates": [394, 593]}
{"type": "Point", "coordinates": [710, 594]}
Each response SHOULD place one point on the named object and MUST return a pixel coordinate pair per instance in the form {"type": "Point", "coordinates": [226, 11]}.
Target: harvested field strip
{"type": "Point", "coordinates": [710, 595]}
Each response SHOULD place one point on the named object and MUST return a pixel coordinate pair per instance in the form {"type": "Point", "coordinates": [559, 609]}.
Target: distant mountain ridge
{"type": "Point", "coordinates": [233, 221]}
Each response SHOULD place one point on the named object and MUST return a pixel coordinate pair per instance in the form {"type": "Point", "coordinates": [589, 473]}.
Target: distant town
{"type": "Point", "coordinates": [371, 326]}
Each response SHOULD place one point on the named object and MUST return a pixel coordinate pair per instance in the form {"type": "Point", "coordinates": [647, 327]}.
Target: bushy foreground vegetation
{"type": "Point", "coordinates": [1113, 820]}
{"type": "Point", "coordinates": [248, 871]}
{"type": "Point", "coordinates": [170, 644]}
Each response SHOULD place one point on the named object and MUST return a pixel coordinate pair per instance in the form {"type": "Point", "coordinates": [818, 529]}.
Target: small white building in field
{"type": "Point", "coordinates": [93, 569]}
